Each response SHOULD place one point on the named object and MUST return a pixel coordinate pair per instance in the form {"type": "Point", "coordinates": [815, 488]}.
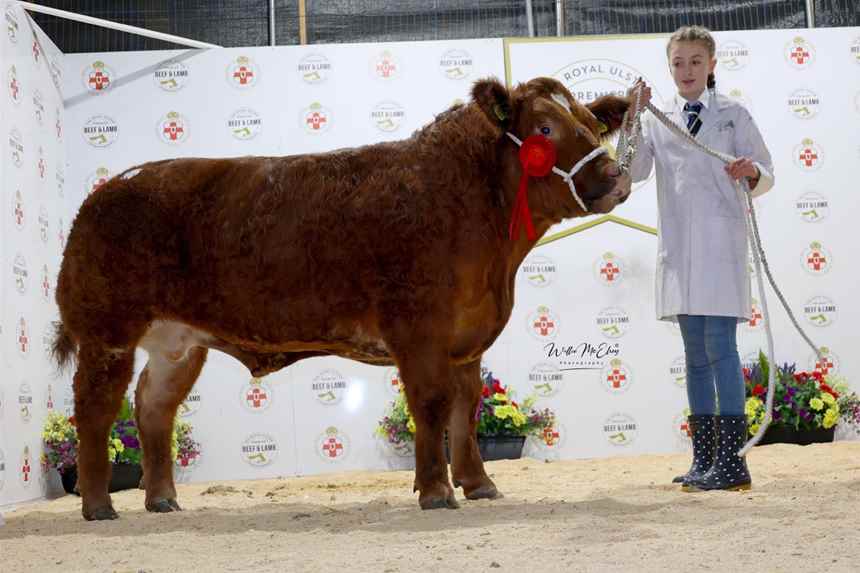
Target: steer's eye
{"type": "Point", "coordinates": [545, 130]}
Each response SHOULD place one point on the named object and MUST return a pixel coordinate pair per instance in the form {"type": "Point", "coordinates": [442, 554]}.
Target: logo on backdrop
{"type": "Point", "coordinates": [100, 131]}
{"type": "Point", "coordinates": [16, 147]}
{"type": "Point", "coordinates": [682, 429]}
{"type": "Point", "coordinates": [18, 210]}
{"type": "Point", "coordinates": [60, 177]}
{"type": "Point", "coordinates": [173, 128]}
{"type": "Point", "coordinates": [816, 260]}
{"type": "Point", "coordinates": [27, 467]}
{"type": "Point", "coordinates": [22, 337]}
{"type": "Point", "coordinates": [58, 123]}
{"type": "Point", "coordinates": [171, 77]}
{"type": "Point", "coordinates": [19, 273]}
{"type": "Point", "coordinates": [588, 80]}
{"type": "Point", "coordinates": [616, 376]}
{"type": "Point", "coordinates": [678, 372]}
{"type": "Point", "coordinates": [61, 233]}
{"type": "Point", "coordinates": [613, 322]}
{"type": "Point", "coordinates": [827, 364]}
{"type": "Point", "coordinates": [804, 103]}
{"type": "Point", "coordinates": [245, 124]}
{"type": "Point", "coordinates": [242, 73]}
{"type": "Point", "coordinates": [620, 429]}
{"type": "Point", "coordinates": [41, 166]}
{"type": "Point", "coordinates": [799, 53]}
{"type": "Point", "coordinates": [45, 284]}
{"type": "Point", "coordinates": [392, 380]}
{"type": "Point", "coordinates": [96, 179]}
{"type": "Point", "coordinates": [456, 64]}
{"type": "Point", "coordinates": [741, 97]}
{"type": "Point", "coordinates": [820, 311]}
{"type": "Point", "coordinates": [49, 398]}
{"type": "Point", "coordinates": [191, 404]}
{"type": "Point", "coordinates": [259, 450]}
{"type": "Point", "coordinates": [39, 107]}
{"type": "Point", "coordinates": [333, 445]}
{"type": "Point", "coordinates": [854, 50]}
{"type": "Point", "coordinates": [12, 25]}
{"type": "Point", "coordinates": [329, 387]}
{"type": "Point", "coordinates": [807, 155]}
{"type": "Point", "coordinates": [542, 324]}
{"type": "Point", "coordinates": [314, 68]}
{"type": "Point", "coordinates": [47, 336]}
{"type": "Point", "coordinates": [387, 116]}
{"type": "Point", "coordinates": [552, 438]}
{"type": "Point", "coordinates": [14, 86]}
{"type": "Point", "coordinates": [756, 321]}
{"type": "Point", "coordinates": [97, 77]}
{"type": "Point", "coordinates": [609, 269]}
{"type": "Point", "coordinates": [540, 271]}
{"type": "Point", "coordinates": [37, 51]}
{"type": "Point", "coordinates": [732, 55]}
{"type": "Point", "coordinates": [256, 395]}
{"type": "Point", "coordinates": [25, 402]}
{"type": "Point", "coordinates": [44, 224]}
{"type": "Point", "coordinates": [582, 356]}
{"type": "Point", "coordinates": [812, 207]}
{"type": "Point", "coordinates": [315, 118]}
{"type": "Point", "coordinates": [385, 66]}
{"type": "Point", "coordinates": [545, 379]}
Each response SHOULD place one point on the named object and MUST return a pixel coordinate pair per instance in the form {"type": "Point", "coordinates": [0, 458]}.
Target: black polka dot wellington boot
{"type": "Point", "coordinates": [703, 436]}
{"type": "Point", "coordinates": [729, 471]}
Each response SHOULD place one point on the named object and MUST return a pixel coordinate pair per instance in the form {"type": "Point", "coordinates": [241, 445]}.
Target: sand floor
{"type": "Point", "coordinates": [618, 514]}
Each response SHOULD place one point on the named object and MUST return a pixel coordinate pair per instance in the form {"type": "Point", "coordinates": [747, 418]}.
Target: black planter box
{"type": "Point", "coordinates": [781, 434]}
{"type": "Point", "coordinates": [123, 476]}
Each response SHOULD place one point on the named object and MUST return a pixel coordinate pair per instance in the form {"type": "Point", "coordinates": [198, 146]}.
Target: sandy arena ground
{"type": "Point", "coordinates": [616, 514]}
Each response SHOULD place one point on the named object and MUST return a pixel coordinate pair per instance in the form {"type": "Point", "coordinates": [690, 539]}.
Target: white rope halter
{"type": "Point", "coordinates": [568, 176]}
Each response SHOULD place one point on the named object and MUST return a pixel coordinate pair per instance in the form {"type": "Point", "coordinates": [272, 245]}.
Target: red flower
{"type": "Point", "coordinates": [485, 392]}
{"type": "Point", "coordinates": [758, 390]}
{"type": "Point", "coordinates": [746, 373]}
{"type": "Point", "coordinates": [514, 404]}
{"type": "Point", "coordinates": [497, 387]}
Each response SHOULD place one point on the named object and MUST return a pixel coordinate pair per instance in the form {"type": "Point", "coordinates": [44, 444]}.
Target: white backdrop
{"type": "Point", "coordinates": [32, 227]}
{"type": "Point", "coordinates": [593, 287]}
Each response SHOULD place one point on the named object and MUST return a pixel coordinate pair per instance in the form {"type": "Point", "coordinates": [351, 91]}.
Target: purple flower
{"type": "Point", "coordinates": [791, 390]}
{"type": "Point", "coordinates": [787, 399]}
{"type": "Point", "coordinates": [776, 415]}
{"type": "Point", "coordinates": [805, 415]}
{"type": "Point", "coordinates": [130, 442]}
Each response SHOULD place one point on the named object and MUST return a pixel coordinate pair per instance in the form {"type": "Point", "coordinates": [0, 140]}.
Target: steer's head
{"type": "Point", "coordinates": [543, 106]}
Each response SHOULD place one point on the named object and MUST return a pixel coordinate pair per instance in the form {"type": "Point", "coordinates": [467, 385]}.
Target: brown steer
{"type": "Point", "coordinates": [391, 254]}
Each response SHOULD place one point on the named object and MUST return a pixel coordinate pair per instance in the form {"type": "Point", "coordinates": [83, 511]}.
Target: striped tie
{"type": "Point", "coordinates": [693, 122]}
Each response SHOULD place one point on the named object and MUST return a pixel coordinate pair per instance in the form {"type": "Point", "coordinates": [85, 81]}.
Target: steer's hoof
{"type": "Point", "coordinates": [163, 506]}
{"type": "Point", "coordinates": [487, 491]}
{"type": "Point", "coordinates": [100, 514]}
{"type": "Point", "coordinates": [436, 502]}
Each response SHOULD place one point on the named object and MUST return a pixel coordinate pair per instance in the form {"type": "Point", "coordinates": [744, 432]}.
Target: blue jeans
{"type": "Point", "coordinates": [714, 376]}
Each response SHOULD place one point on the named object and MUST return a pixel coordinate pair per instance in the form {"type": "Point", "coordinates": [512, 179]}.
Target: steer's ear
{"type": "Point", "coordinates": [609, 111]}
{"type": "Point", "coordinates": [495, 101]}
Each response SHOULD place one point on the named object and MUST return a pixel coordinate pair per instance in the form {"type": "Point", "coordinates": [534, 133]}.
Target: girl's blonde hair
{"type": "Point", "coordinates": [695, 34]}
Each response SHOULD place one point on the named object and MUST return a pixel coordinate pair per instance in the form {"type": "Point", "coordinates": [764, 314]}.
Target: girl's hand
{"type": "Point", "coordinates": [742, 167]}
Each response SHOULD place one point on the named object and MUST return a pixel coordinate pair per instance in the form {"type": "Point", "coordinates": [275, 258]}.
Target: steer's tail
{"type": "Point", "coordinates": [63, 349]}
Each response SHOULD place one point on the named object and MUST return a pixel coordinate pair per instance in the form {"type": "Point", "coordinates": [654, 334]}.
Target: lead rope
{"type": "Point", "coordinates": [627, 146]}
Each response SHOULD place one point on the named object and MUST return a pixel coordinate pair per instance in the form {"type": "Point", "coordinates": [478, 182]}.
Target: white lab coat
{"type": "Point", "coordinates": [702, 256]}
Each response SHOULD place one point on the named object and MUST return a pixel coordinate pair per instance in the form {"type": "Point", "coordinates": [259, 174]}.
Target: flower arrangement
{"type": "Point", "coordinates": [803, 401]}
{"type": "Point", "coordinates": [60, 441]}
{"type": "Point", "coordinates": [497, 414]}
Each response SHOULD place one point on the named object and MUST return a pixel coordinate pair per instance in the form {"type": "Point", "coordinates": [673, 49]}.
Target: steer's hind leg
{"type": "Point", "coordinates": [102, 377]}
{"type": "Point", "coordinates": [163, 385]}
{"type": "Point", "coordinates": [467, 468]}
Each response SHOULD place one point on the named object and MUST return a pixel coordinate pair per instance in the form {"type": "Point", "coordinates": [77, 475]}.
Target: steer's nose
{"type": "Point", "coordinates": [611, 169]}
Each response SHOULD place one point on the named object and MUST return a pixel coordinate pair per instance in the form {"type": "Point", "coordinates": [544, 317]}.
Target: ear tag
{"type": "Point", "coordinates": [602, 127]}
{"type": "Point", "coordinates": [500, 112]}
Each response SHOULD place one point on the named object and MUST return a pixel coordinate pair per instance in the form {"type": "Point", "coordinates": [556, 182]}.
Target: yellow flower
{"type": "Point", "coordinates": [754, 428]}
{"type": "Point", "coordinates": [752, 406]}
{"type": "Point", "coordinates": [502, 412]}
{"type": "Point", "coordinates": [498, 397]}
{"type": "Point", "coordinates": [816, 404]}
{"type": "Point", "coordinates": [519, 419]}
{"type": "Point", "coordinates": [410, 424]}
{"type": "Point", "coordinates": [831, 416]}
{"type": "Point", "coordinates": [828, 398]}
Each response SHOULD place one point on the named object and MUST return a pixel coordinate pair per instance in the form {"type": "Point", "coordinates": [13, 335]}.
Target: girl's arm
{"type": "Point", "coordinates": [750, 144]}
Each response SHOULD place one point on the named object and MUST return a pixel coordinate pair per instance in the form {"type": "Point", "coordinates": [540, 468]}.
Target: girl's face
{"type": "Point", "coordinates": [690, 64]}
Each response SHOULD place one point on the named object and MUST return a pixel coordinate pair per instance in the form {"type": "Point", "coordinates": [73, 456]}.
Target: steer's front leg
{"type": "Point", "coordinates": [429, 393]}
